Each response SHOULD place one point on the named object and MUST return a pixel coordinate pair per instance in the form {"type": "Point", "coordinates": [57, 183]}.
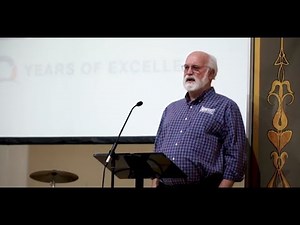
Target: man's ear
{"type": "Point", "coordinates": [211, 74]}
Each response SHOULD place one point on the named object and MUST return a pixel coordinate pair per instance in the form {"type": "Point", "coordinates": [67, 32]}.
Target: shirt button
{"type": "Point", "coordinates": [185, 118]}
{"type": "Point", "coordinates": [191, 107]}
{"type": "Point", "coordinates": [181, 131]}
{"type": "Point", "coordinates": [173, 158]}
{"type": "Point", "coordinates": [176, 144]}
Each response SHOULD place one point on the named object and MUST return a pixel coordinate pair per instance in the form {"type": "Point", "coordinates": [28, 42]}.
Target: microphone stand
{"type": "Point", "coordinates": [111, 154]}
{"type": "Point", "coordinates": [113, 164]}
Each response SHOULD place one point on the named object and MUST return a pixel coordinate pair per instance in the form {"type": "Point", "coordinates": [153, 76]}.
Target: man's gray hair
{"type": "Point", "coordinates": [212, 63]}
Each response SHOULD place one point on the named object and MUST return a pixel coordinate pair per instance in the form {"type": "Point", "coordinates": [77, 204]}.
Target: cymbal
{"type": "Point", "coordinates": [56, 176]}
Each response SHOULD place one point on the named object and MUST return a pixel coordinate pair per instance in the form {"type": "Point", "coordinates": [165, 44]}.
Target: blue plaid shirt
{"type": "Point", "coordinates": [203, 137]}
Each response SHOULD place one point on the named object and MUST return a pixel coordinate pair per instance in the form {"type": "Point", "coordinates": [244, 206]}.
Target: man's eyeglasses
{"type": "Point", "coordinates": [194, 68]}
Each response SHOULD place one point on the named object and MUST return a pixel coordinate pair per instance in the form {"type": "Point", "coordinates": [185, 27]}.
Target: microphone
{"type": "Point", "coordinates": [113, 148]}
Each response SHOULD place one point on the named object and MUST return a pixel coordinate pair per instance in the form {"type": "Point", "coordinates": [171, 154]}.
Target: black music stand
{"type": "Point", "coordinates": [143, 165]}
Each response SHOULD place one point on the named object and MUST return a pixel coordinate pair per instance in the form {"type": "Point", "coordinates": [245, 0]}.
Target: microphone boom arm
{"type": "Point", "coordinates": [114, 146]}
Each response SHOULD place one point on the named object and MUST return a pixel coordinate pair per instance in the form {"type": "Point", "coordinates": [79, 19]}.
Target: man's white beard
{"type": "Point", "coordinates": [191, 86]}
{"type": "Point", "coordinates": [197, 84]}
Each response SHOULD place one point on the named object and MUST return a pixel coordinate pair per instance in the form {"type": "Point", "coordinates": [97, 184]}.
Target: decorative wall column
{"type": "Point", "coordinates": [280, 94]}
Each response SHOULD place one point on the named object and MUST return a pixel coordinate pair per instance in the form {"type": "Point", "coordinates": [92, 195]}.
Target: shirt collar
{"type": "Point", "coordinates": [207, 92]}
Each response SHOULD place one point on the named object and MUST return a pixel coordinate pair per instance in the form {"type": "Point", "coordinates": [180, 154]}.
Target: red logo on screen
{"type": "Point", "coordinates": [8, 69]}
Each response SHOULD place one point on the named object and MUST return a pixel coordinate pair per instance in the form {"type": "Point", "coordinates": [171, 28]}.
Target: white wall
{"type": "Point", "coordinates": [13, 165]}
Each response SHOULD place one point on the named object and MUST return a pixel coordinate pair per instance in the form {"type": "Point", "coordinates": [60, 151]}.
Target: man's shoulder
{"type": "Point", "coordinates": [224, 98]}
{"type": "Point", "coordinates": [177, 102]}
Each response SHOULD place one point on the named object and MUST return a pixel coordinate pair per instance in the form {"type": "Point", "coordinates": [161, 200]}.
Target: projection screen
{"type": "Point", "coordinates": [81, 90]}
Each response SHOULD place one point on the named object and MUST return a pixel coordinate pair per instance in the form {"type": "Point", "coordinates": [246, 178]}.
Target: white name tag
{"type": "Point", "coordinates": [207, 110]}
